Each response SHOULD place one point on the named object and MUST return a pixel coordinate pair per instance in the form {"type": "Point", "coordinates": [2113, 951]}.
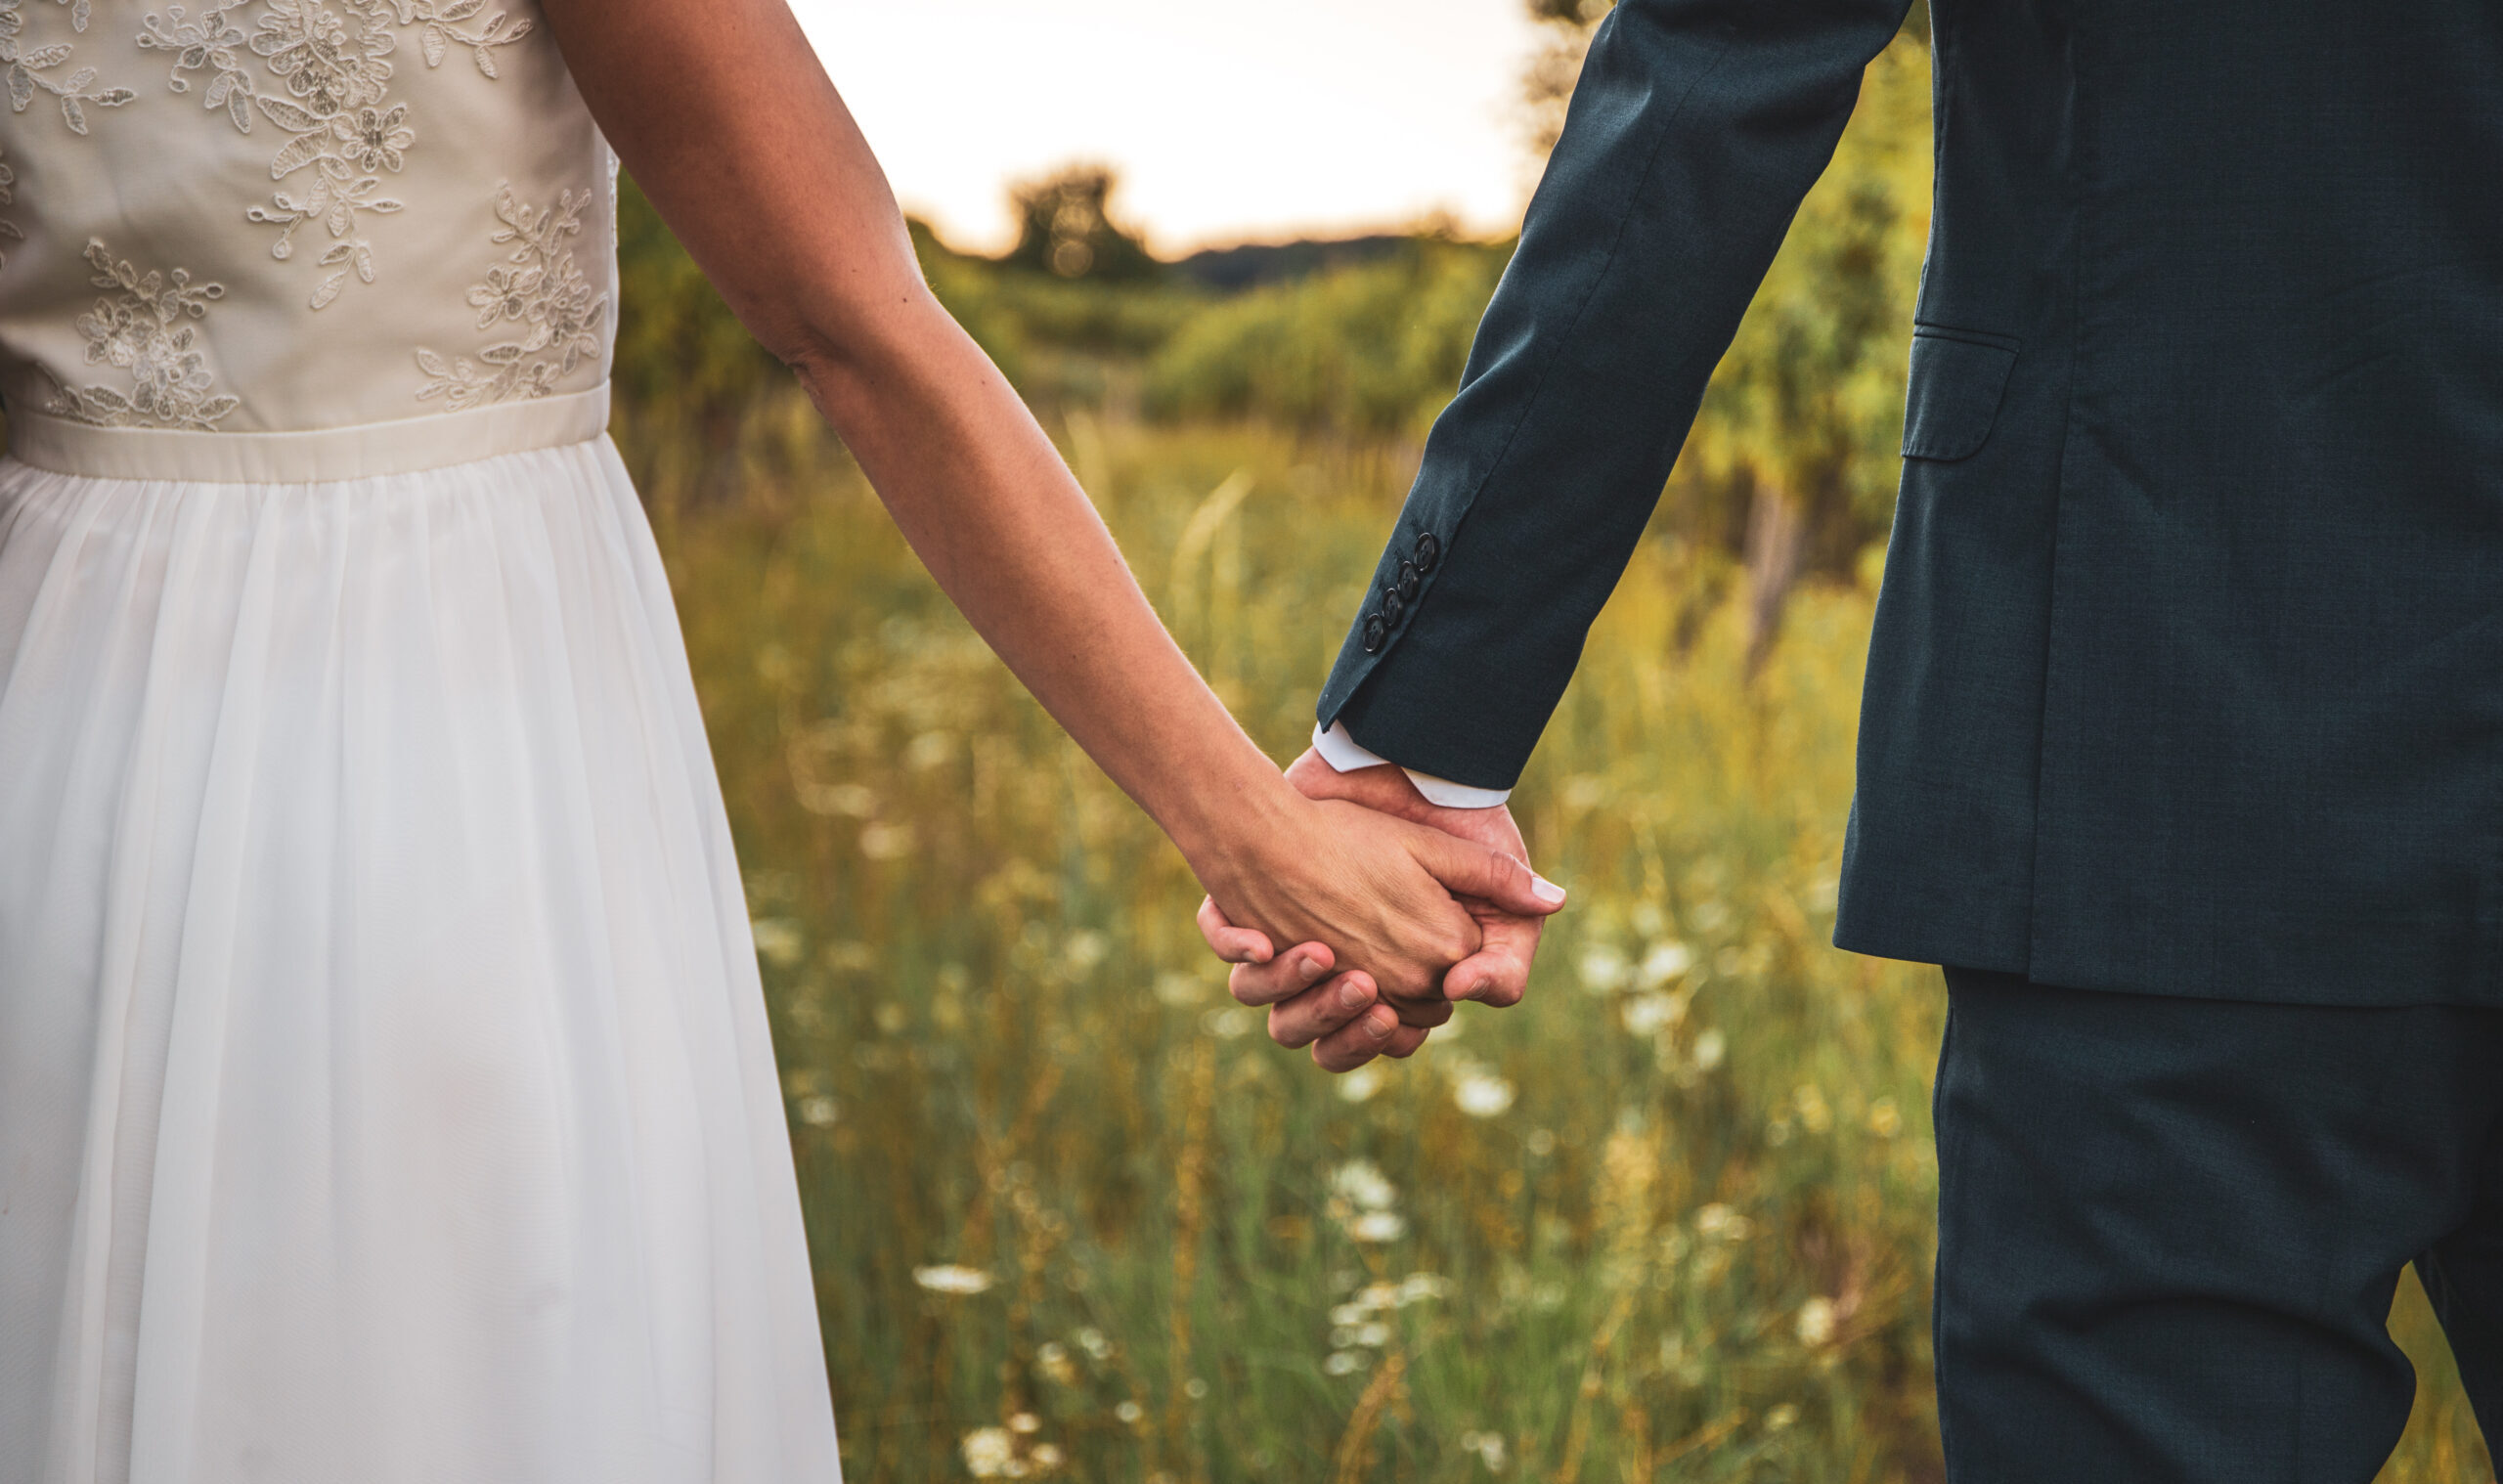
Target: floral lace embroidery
{"type": "Point", "coordinates": [334, 58]}
{"type": "Point", "coordinates": [538, 286]}
{"type": "Point", "coordinates": [140, 330]}
{"type": "Point", "coordinates": [208, 41]}
{"type": "Point", "coordinates": [30, 69]}
{"type": "Point", "coordinates": [9, 197]}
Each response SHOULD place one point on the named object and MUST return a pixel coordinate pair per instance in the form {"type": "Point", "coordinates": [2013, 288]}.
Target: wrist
{"type": "Point", "coordinates": [1221, 825]}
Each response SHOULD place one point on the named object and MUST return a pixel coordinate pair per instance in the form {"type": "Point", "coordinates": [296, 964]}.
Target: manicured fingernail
{"type": "Point", "coordinates": [1352, 997]}
{"type": "Point", "coordinates": [1547, 890]}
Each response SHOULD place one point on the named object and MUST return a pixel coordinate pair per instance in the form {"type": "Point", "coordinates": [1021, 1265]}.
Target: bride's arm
{"type": "Point", "coordinates": [734, 132]}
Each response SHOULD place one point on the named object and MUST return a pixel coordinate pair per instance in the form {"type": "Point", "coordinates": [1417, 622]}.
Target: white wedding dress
{"type": "Point", "coordinates": [385, 1094]}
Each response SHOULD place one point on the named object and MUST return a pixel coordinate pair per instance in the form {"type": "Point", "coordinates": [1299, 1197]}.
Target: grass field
{"type": "Point", "coordinates": [1073, 1216]}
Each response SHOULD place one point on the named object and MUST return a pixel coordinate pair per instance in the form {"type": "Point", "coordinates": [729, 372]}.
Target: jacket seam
{"type": "Point", "coordinates": [2081, 156]}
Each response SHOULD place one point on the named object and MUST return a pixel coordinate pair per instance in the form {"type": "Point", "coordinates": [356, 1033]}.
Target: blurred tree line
{"type": "Point", "coordinates": [1791, 468]}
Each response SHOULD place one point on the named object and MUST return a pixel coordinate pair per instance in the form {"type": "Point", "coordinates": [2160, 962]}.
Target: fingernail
{"type": "Point", "coordinates": [1309, 967]}
{"type": "Point", "coordinates": [1380, 1026]}
{"type": "Point", "coordinates": [1350, 996]}
{"type": "Point", "coordinates": [1547, 890]}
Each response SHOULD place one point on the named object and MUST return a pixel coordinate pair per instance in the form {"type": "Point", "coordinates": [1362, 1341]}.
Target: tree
{"type": "Point", "coordinates": [1064, 227]}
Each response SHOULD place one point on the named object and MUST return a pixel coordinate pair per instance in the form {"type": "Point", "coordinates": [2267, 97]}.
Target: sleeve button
{"type": "Point", "coordinates": [1374, 632]}
{"type": "Point", "coordinates": [1393, 608]}
{"type": "Point", "coordinates": [1430, 551]}
{"type": "Point", "coordinates": [1409, 581]}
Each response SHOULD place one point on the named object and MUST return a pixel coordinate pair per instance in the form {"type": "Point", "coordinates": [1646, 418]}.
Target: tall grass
{"type": "Point", "coordinates": [1072, 1216]}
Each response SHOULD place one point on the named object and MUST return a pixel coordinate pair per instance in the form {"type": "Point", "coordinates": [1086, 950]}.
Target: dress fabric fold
{"type": "Point", "coordinates": [385, 1089]}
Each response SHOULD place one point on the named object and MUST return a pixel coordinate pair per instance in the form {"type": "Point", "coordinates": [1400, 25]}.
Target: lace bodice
{"type": "Point", "coordinates": [258, 216]}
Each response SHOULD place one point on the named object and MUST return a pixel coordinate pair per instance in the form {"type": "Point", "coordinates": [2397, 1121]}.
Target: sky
{"type": "Point", "coordinates": [1239, 121]}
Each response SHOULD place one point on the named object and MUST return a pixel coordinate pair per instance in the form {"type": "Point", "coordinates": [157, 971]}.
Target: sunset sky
{"type": "Point", "coordinates": [1226, 121]}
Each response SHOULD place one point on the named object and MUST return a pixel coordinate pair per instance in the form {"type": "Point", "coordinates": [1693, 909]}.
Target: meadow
{"type": "Point", "coordinates": [1073, 1215]}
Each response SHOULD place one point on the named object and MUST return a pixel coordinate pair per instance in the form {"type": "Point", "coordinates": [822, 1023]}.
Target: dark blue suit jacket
{"type": "Point", "coordinates": [2188, 669]}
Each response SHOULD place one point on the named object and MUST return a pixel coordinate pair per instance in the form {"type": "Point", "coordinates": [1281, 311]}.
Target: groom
{"type": "Point", "coordinates": [2182, 740]}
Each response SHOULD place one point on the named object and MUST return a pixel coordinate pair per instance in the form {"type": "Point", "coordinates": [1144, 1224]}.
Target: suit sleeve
{"type": "Point", "coordinates": [1696, 129]}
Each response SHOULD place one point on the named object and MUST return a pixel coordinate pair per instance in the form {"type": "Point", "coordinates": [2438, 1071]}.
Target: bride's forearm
{"type": "Point", "coordinates": [993, 512]}
{"type": "Point", "coordinates": [786, 210]}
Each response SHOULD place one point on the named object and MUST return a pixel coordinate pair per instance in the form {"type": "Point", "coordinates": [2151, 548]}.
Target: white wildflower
{"type": "Point", "coordinates": [1129, 1412]}
{"type": "Point", "coordinates": [1343, 1363]}
{"type": "Point", "coordinates": [1417, 1287]}
{"type": "Point", "coordinates": [1816, 1321]}
{"type": "Point", "coordinates": [1361, 1182]}
{"type": "Point", "coordinates": [778, 941]}
{"type": "Point", "coordinates": [1228, 1023]}
{"type": "Point", "coordinates": [1719, 1223]}
{"type": "Point", "coordinates": [817, 1111]}
{"type": "Point", "coordinates": [1378, 1226]}
{"type": "Point", "coordinates": [1603, 969]}
{"type": "Point", "coordinates": [1180, 990]}
{"type": "Point", "coordinates": [990, 1452]}
{"type": "Point", "coordinates": [1362, 1083]}
{"type": "Point", "coordinates": [1489, 1448]}
{"type": "Point", "coordinates": [1780, 1417]}
{"type": "Point", "coordinates": [1482, 1093]}
{"type": "Point", "coordinates": [1709, 1048]}
{"type": "Point", "coordinates": [1085, 949]}
{"type": "Point", "coordinates": [1665, 962]}
{"type": "Point", "coordinates": [1649, 1013]}
{"type": "Point", "coordinates": [947, 1278]}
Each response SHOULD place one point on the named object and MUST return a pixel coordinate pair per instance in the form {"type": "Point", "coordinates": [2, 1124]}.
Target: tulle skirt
{"type": "Point", "coordinates": [385, 1093]}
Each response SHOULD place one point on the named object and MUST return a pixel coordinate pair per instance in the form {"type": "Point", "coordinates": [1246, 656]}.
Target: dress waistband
{"type": "Point", "coordinates": [317, 455]}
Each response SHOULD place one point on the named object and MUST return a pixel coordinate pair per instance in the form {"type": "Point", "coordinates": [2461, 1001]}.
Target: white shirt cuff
{"type": "Point", "coordinates": [1346, 754]}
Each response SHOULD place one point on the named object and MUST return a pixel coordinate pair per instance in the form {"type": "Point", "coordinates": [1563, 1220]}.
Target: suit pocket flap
{"type": "Point", "coordinates": [1958, 377]}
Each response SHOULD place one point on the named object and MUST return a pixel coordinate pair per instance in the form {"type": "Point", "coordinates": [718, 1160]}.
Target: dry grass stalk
{"type": "Point", "coordinates": [1355, 1445]}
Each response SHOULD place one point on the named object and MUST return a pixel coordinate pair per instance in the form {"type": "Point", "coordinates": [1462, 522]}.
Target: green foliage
{"type": "Point", "coordinates": [689, 377]}
{"type": "Point", "coordinates": [1810, 397]}
{"type": "Point", "coordinates": [1669, 1219]}
{"type": "Point", "coordinates": [1371, 348]}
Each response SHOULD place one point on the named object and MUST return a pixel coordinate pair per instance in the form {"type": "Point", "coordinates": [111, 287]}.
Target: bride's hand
{"type": "Point", "coordinates": [1378, 892]}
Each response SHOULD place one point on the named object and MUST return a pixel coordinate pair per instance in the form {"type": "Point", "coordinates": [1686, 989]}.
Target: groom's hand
{"type": "Point", "coordinates": [1343, 1016]}
{"type": "Point", "coordinates": [1497, 974]}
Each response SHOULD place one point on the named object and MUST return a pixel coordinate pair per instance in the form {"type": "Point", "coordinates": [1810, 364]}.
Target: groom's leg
{"type": "Point", "coordinates": [2170, 1230]}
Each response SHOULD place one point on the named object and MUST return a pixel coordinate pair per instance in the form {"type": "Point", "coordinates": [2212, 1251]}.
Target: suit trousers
{"type": "Point", "coordinates": [2171, 1231]}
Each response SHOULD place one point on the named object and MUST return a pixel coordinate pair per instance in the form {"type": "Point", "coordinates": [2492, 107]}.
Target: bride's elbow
{"type": "Point", "coordinates": [862, 354]}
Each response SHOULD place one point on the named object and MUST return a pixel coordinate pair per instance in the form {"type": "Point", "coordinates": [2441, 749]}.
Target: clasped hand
{"type": "Point", "coordinates": [1396, 907]}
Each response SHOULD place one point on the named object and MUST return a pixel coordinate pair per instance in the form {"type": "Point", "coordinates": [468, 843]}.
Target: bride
{"type": "Point", "coordinates": [384, 1089]}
